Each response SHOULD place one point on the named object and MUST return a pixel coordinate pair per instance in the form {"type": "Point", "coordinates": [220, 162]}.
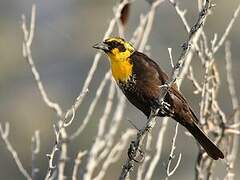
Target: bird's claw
{"type": "Point", "coordinates": [165, 105]}
{"type": "Point", "coordinates": [166, 108]}
{"type": "Point", "coordinates": [164, 86]}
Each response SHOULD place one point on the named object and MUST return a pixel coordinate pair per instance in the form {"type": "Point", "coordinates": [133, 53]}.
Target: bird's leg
{"type": "Point", "coordinates": [164, 105]}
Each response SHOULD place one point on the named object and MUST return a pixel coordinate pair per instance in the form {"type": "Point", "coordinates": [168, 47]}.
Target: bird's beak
{"type": "Point", "coordinates": [103, 46]}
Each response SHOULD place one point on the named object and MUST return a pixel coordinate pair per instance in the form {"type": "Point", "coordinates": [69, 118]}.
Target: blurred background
{"type": "Point", "coordinates": [63, 53]}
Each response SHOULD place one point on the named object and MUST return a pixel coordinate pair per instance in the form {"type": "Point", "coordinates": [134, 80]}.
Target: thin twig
{"type": "Point", "coordinates": [75, 106]}
{"type": "Point", "coordinates": [60, 132]}
{"type": "Point", "coordinates": [77, 164]}
{"type": "Point", "coordinates": [4, 135]}
{"type": "Point", "coordinates": [171, 58]}
{"type": "Point", "coordinates": [187, 45]}
{"type": "Point", "coordinates": [149, 24]}
{"type": "Point", "coordinates": [99, 142]}
{"type": "Point", "coordinates": [107, 109]}
{"type": "Point", "coordinates": [181, 14]}
{"type": "Point", "coordinates": [151, 121]}
{"type": "Point", "coordinates": [110, 134]}
{"type": "Point", "coordinates": [115, 153]}
{"type": "Point", "coordinates": [135, 145]}
{"type": "Point", "coordinates": [35, 152]}
{"type": "Point", "coordinates": [97, 57]}
{"type": "Point", "coordinates": [92, 106]}
{"type": "Point", "coordinates": [27, 43]}
{"type": "Point", "coordinates": [172, 156]}
{"type": "Point", "coordinates": [235, 104]}
{"type": "Point", "coordinates": [192, 78]}
{"type": "Point", "coordinates": [159, 147]}
{"type": "Point", "coordinates": [227, 30]}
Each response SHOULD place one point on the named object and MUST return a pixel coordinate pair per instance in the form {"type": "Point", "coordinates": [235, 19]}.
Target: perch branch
{"type": "Point", "coordinates": [137, 143]}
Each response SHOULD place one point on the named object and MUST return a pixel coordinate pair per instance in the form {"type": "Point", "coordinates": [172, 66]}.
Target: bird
{"type": "Point", "coordinates": [141, 80]}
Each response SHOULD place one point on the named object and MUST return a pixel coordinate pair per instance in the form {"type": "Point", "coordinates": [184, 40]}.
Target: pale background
{"type": "Point", "coordinates": [65, 32]}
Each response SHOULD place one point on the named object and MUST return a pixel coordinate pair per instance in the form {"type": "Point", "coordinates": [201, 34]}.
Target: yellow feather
{"type": "Point", "coordinates": [120, 65]}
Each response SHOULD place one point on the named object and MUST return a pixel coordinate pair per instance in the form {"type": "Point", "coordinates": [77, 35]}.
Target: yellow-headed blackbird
{"type": "Point", "coordinates": [140, 79]}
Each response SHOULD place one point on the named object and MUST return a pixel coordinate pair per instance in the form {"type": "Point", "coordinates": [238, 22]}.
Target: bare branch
{"type": "Point", "coordinates": [28, 38]}
{"type": "Point", "coordinates": [181, 14]}
{"type": "Point", "coordinates": [110, 134]}
{"type": "Point", "coordinates": [107, 110]}
{"type": "Point", "coordinates": [117, 15]}
{"type": "Point", "coordinates": [92, 106]}
{"type": "Point", "coordinates": [159, 147]}
{"type": "Point", "coordinates": [135, 145]}
{"type": "Point", "coordinates": [170, 55]}
{"type": "Point", "coordinates": [192, 78]}
{"type": "Point", "coordinates": [172, 156]}
{"type": "Point", "coordinates": [100, 141]}
{"type": "Point", "coordinates": [187, 45]}
{"type": "Point", "coordinates": [115, 153]}
{"type": "Point", "coordinates": [149, 24]}
{"type": "Point", "coordinates": [4, 135]}
{"type": "Point", "coordinates": [35, 152]}
{"type": "Point", "coordinates": [235, 104]}
{"type": "Point", "coordinates": [104, 151]}
{"type": "Point", "coordinates": [77, 164]}
{"type": "Point", "coordinates": [227, 30]}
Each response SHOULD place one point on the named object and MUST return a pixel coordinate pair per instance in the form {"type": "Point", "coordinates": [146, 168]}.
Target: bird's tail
{"type": "Point", "coordinates": [212, 150]}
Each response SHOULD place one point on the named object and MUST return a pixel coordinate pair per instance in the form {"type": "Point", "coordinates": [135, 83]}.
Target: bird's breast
{"type": "Point", "coordinates": [122, 70]}
{"type": "Point", "coordinates": [129, 85]}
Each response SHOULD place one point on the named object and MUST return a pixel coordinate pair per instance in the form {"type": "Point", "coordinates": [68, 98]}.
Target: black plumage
{"type": "Point", "coordinates": [143, 88]}
{"type": "Point", "coordinates": [147, 87]}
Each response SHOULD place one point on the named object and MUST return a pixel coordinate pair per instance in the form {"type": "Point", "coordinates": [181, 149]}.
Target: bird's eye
{"type": "Point", "coordinates": [118, 45]}
{"type": "Point", "coordinates": [121, 48]}
{"type": "Point", "coordinates": [115, 44]}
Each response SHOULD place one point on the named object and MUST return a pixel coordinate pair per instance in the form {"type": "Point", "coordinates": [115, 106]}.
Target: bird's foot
{"type": "Point", "coordinates": [164, 86]}
{"type": "Point", "coordinates": [166, 108]}
{"type": "Point", "coordinates": [165, 105]}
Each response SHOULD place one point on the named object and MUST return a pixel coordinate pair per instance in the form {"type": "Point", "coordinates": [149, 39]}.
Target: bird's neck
{"type": "Point", "coordinates": [121, 66]}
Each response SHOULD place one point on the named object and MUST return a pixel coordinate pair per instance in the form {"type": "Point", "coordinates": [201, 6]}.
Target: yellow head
{"type": "Point", "coordinates": [119, 52]}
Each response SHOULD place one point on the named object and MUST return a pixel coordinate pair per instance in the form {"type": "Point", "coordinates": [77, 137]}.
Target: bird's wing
{"type": "Point", "coordinates": [177, 97]}
{"type": "Point", "coordinates": [149, 76]}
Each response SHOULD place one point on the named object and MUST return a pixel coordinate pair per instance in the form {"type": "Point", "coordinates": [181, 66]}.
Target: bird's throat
{"type": "Point", "coordinates": [121, 70]}
{"type": "Point", "coordinates": [121, 65]}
